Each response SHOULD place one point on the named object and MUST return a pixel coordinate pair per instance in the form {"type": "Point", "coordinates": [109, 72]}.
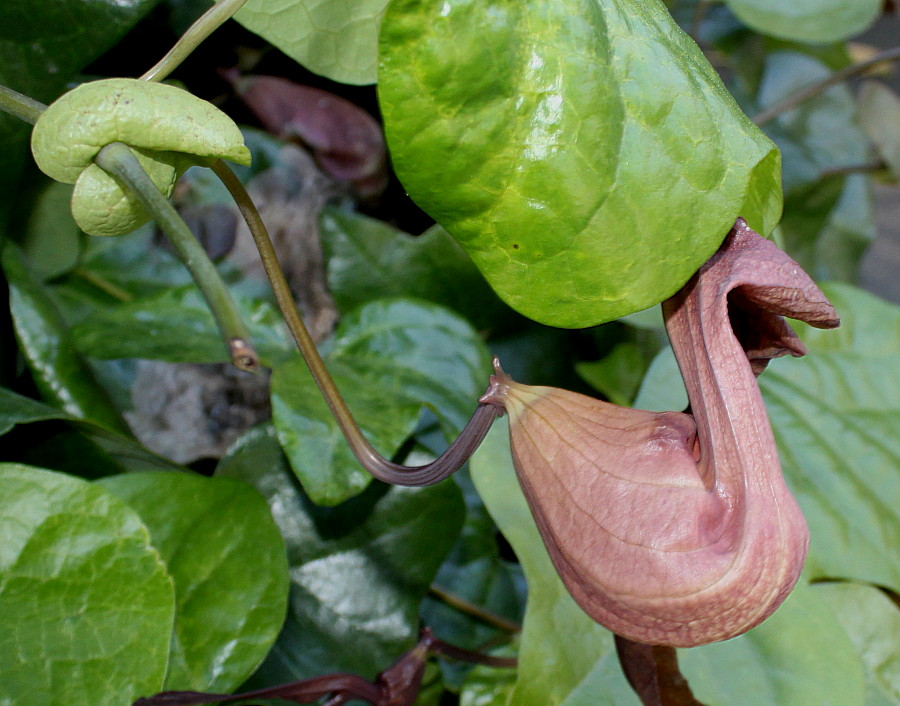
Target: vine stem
{"type": "Point", "coordinates": [20, 105]}
{"type": "Point", "coordinates": [814, 89]}
{"type": "Point", "coordinates": [204, 26]}
{"type": "Point", "coordinates": [476, 611]}
{"type": "Point", "coordinates": [118, 159]}
{"type": "Point", "coordinates": [446, 464]}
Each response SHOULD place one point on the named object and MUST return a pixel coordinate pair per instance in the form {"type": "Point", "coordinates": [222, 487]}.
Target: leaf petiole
{"type": "Point", "coordinates": [204, 26]}
{"type": "Point", "coordinates": [118, 159]}
{"type": "Point", "coordinates": [383, 469]}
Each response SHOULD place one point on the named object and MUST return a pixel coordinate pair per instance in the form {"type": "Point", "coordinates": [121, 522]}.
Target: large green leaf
{"type": "Point", "coordinates": [584, 153]}
{"type": "Point", "coordinates": [358, 571]}
{"type": "Point", "coordinates": [873, 625]}
{"type": "Point", "coordinates": [334, 38]}
{"type": "Point", "coordinates": [800, 656]}
{"type": "Point", "coordinates": [176, 326]}
{"type": "Point", "coordinates": [369, 259]}
{"type": "Point", "coordinates": [817, 21]}
{"type": "Point", "coordinates": [227, 560]}
{"type": "Point", "coordinates": [388, 358]}
{"type": "Point", "coordinates": [61, 374]}
{"type": "Point", "coordinates": [565, 657]}
{"type": "Point", "coordinates": [834, 416]}
{"type": "Point", "coordinates": [86, 605]}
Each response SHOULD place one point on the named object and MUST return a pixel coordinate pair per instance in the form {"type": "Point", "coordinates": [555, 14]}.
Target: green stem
{"type": "Point", "coordinates": [20, 105]}
{"type": "Point", "coordinates": [103, 284]}
{"type": "Point", "coordinates": [446, 464]}
{"type": "Point", "coordinates": [476, 611]}
{"type": "Point", "coordinates": [205, 25]}
{"type": "Point", "coordinates": [118, 159]}
{"type": "Point", "coordinates": [814, 89]}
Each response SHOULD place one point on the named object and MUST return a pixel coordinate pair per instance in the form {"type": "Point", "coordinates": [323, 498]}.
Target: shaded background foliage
{"type": "Point", "coordinates": [286, 561]}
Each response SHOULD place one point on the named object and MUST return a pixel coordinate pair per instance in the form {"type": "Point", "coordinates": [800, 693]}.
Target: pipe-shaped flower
{"type": "Point", "coordinates": [168, 128]}
{"type": "Point", "coordinates": [672, 528]}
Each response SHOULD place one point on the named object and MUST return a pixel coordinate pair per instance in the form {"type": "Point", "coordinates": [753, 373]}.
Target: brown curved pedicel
{"type": "Point", "coordinates": [671, 528]}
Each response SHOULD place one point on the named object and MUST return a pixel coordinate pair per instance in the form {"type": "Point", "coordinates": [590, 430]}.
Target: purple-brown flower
{"type": "Point", "coordinates": [677, 528]}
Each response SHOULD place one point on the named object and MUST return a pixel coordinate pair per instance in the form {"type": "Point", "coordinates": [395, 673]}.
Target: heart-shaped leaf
{"type": "Point", "coordinates": [585, 154]}
{"type": "Point", "coordinates": [388, 358]}
{"type": "Point", "coordinates": [226, 559]}
{"type": "Point", "coordinates": [358, 571]}
{"type": "Point", "coordinates": [86, 605]}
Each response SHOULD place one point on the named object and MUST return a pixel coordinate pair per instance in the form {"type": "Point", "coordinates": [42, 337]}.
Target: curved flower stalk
{"type": "Point", "coordinates": [671, 528]}
{"type": "Point", "coordinates": [168, 128]}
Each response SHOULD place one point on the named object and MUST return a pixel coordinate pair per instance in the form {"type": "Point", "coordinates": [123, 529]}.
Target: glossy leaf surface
{"type": "Point", "coordinates": [335, 38]}
{"type": "Point", "coordinates": [833, 413]}
{"type": "Point", "coordinates": [226, 559]}
{"type": "Point", "coordinates": [61, 374]}
{"type": "Point", "coordinates": [128, 453]}
{"type": "Point", "coordinates": [369, 259]}
{"type": "Point", "coordinates": [86, 605]}
{"type": "Point", "coordinates": [176, 326]}
{"type": "Point", "coordinates": [591, 169]}
{"type": "Point", "coordinates": [388, 358]}
{"type": "Point", "coordinates": [816, 21]}
{"type": "Point", "coordinates": [42, 46]}
{"type": "Point", "coordinates": [358, 571]}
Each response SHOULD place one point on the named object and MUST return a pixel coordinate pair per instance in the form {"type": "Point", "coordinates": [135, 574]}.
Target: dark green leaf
{"type": "Point", "coordinates": [358, 571]}
{"type": "Point", "coordinates": [62, 375]}
{"type": "Point", "coordinates": [227, 560]}
{"type": "Point", "coordinates": [52, 241]}
{"type": "Point", "coordinates": [312, 439]}
{"type": "Point", "coordinates": [337, 40]}
{"type": "Point", "coordinates": [585, 154]}
{"type": "Point", "coordinates": [42, 46]}
{"type": "Point", "coordinates": [828, 225]}
{"type": "Point", "coordinates": [834, 416]}
{"type": "Point", "coordinates": [425, 352]}
{"type": "Point", "coordinates": [618, 376]}
{"type": "Point", "coordinates": [816, 21]}
{"type": "Point", "coordinates": [124, 450]}
{"type": "Point", "coordinates": [176, 326]}
{"type": "Point", "coordinates": [475, 572]}
{"type": "Point", "coordinates": [388, 358]}
{"type": "Point", "coordinates": [873, 625]}
{"type": "Point", "coordinates": [368, 259]}
{"type": "Point", "coordinates": [86, 606]}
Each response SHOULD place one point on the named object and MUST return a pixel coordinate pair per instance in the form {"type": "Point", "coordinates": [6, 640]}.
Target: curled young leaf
{"type": "Point", "coordinates": [168, 128]}
{"type": "Point", "coordinates": [670, 528]}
